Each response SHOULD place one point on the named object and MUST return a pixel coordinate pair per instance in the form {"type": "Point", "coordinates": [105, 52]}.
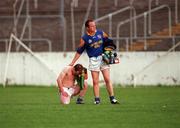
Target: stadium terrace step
{"type": "Point", "coordinates": [51, 29]}
{"type": "Point", "coordinates": [165, 32]}
{"type": "Point", "coordinates": [139, 45]}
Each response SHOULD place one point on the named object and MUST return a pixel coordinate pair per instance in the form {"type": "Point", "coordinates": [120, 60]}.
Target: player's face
{"type": "Point", "coordinates": [77, 73]}
{"type": "Point", "coordinates": [92, 27]}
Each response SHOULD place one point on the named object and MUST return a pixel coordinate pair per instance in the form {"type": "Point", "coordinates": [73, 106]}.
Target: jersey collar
{"type": "Point", "coordinates": [89, 34]}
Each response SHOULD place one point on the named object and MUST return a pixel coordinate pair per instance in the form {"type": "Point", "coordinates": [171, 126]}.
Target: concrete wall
{"type": "Point", "coordinates": [143, 68]}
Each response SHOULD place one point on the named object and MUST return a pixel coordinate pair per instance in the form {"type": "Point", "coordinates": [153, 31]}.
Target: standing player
{"type": "Point", "coordinates": [92, 42]}
{"type": "Point", "coordinates": [66, 83]}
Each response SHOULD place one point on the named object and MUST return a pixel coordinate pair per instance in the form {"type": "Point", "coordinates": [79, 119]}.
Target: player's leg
{"type": "Point", "coordinates": [80, 92]}
{"type": "Point", "coordinates": [109, 86]}
{"type": "Point", "coordinates": [95, 78]}
{"type": "Point", "coordinates": [64, 96]}
{"type": "Point", "coordinates": [94, 67]}
{"type": "Point", "coordinates": [106, 76]}
{"type": "Point", "coordinates": [80, 99]}
{"type": "Point", "coordinates": [84, 90]}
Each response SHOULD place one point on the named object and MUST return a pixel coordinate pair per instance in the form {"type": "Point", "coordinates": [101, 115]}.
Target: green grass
{"type": "Point", "coordinates": [141, 107]}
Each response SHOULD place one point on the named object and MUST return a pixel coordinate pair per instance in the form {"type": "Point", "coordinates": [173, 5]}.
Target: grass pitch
{"type": "Point", "coordinates": [141, 107]}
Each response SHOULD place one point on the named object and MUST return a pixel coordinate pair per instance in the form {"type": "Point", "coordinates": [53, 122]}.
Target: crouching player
{"type": "Point", "coordinates": [72, 82]}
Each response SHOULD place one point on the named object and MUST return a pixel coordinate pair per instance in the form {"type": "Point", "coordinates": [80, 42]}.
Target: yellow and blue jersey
{"type": "Point", "coordinates": [93, 44]}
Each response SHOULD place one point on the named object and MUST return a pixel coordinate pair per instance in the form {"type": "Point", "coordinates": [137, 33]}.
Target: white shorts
{"type": "Point", "coordinates": [97, 64]}
{"type": "Point", "coordinates": [70, 91]}
{"type": "Point", "coordinates": [66, 99]}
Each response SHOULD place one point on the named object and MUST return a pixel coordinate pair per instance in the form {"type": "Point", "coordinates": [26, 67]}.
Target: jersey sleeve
{"type": "Point", "coordinates": [105, 35]}
{"type": "Point", "coordinates": [81, 47]}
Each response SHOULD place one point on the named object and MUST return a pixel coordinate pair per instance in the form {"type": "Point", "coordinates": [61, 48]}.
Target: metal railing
{"type": "Point", "coordinates": [73, 4]}
{"type": "Point", "coordinates": [62, 18]}
{"type": "Point", "coordinates": [176, 12]}
{"type": "Point", "coordinates": [87, 14]}
{"type": "Point", "coordinates": [131, 8]}
{"type": "Point", "coordinates": [16, 16]}
{"type": "Point", "coordinates": [42, 17]}
{"type": "Point", "coordinates": [96, 12]}
{"type": "Point", "coordinates": [28, 22]}
{"type": "Point", "coordinates": [16, 20]}
{"type": "Point", "coordinates": [145, 22]}
{"type": "Point", "coordinates": [157, 3]}
{"type": "Point", "coordinates": [96, 4]}
{"type": "Point", "coordinates": [49, 43]}
{"type": "Point", "coordinates": [127, 40]}
{"type": "Point", "coordinates": [149, 17]}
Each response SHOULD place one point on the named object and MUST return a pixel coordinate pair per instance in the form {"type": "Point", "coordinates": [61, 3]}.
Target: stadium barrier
{"type": "Point", "coordinates": [155, 68]}
{"type": "Point", "coordinates": [35, 56]}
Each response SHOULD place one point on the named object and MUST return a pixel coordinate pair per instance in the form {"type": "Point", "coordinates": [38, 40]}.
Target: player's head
{"type": "Point", "coordinates": [78, 68]}
{"type": "Point", "coordinates": [90, 25]}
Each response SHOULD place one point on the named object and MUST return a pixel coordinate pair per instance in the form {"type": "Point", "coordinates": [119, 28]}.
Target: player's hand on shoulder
{"type": "Point", "coordinates": [71, 64]}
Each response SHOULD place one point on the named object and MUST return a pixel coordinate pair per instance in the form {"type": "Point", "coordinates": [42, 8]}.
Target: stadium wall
{"type": "Point", "coordinates": [141, 68]}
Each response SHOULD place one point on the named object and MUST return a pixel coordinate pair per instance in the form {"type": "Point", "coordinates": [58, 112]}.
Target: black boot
{"type": "Point", "coordinates": [79, 100]}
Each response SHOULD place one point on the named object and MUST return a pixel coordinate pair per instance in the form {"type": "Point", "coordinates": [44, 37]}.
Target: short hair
{"type": "Point", "coordinates": [87, 22]}
{"type": "Point", "coordinates": [78, 67]}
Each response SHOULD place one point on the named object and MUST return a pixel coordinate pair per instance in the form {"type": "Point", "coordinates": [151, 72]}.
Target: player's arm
{"type": "Point", "coordinates": [60, 80]}
{"type": "Point", "coordinates": [105, 35]}
{"type": "Point", "coordinates": [108, 41]}
{"type": "Point", "coordinates": [79, 51]}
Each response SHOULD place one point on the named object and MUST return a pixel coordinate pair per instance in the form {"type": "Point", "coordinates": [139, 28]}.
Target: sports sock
{"type": "Point", "coordinates": [97, 99]}
{"type": "Point", "coordinates": [111, 98]}
{"type": "Point", "coordinates": [80, 99]}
